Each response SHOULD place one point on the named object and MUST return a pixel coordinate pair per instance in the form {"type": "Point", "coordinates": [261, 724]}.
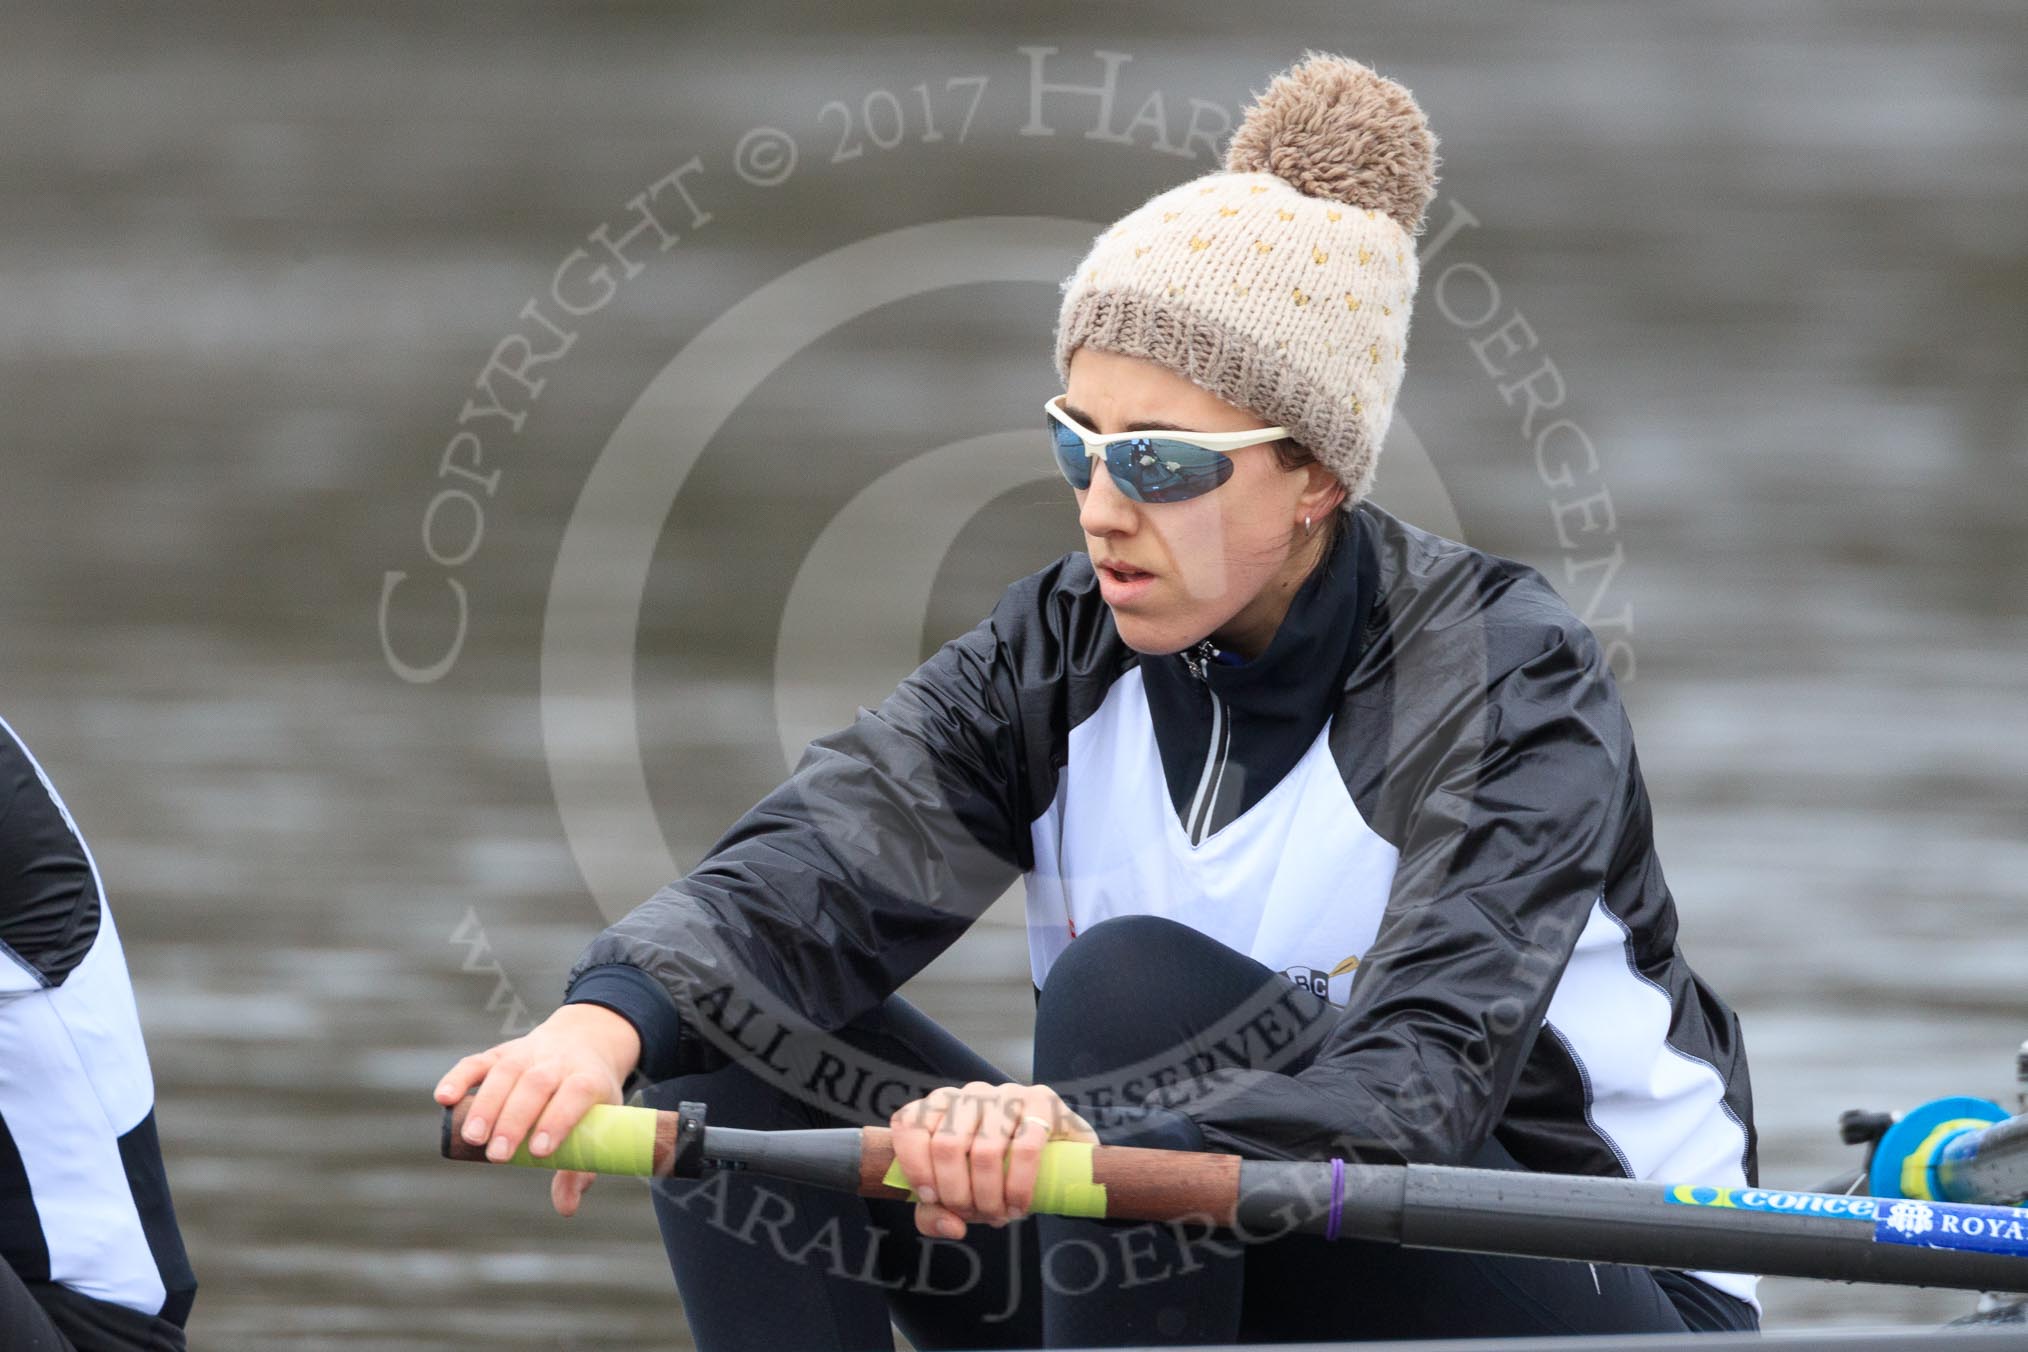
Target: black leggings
{"type": "Point", "coordinates": [768, 1265]}
{"type": "Point", "coordinates": [39, 1316]}
{"type": "Point", "coordinates": [23, 1322]}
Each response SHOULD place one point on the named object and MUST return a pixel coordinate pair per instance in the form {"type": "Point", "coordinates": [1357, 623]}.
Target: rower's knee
{"type": "Point", "coordinates": [1125, 957]}
{"type": "Point", "coordinates": [1121, 987]}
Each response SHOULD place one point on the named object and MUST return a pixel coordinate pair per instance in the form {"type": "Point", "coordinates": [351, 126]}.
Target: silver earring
{"type": "Point", "coordinates": [1308, 529]}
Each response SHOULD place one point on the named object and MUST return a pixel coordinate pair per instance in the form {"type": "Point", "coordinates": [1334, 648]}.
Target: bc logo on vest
{"type": "Point", "coordinates": [1327, 984]}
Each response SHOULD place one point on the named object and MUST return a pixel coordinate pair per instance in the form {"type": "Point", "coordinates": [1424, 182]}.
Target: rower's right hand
{"type": "Point", "coordinates": [539, 1085]}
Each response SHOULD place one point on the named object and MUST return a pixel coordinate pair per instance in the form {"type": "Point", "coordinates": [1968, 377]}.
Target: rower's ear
{"type": "Point", "coordinates": [1323, 493]}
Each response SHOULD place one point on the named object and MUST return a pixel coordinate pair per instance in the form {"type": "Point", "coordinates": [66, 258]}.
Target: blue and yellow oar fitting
{"type": "Point", "coordinates": [1904, 1163]}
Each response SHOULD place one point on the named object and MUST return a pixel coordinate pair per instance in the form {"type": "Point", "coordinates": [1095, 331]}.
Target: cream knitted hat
{"type": "Point", "coordinates": [1283, 282]}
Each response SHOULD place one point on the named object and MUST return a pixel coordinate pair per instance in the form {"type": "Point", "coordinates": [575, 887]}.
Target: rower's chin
{"type": "Point", "coordinates": [1151, 631]}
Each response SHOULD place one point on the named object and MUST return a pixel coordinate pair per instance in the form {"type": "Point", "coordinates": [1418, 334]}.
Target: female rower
{"type": "Point", "coordinates": [1334, 841]}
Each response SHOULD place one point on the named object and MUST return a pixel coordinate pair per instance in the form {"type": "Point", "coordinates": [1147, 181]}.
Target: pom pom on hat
{"type": "Point", "coordinates": [1333, 128]}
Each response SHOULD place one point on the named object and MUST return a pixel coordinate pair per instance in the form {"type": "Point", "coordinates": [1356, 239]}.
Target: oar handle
{"type": "Point", "coordinates": [1075, 1178]}
{"type": "Point", "coordinates": [1072, 1179]}
{"type": "Point", "coordinates": [608, 1140]}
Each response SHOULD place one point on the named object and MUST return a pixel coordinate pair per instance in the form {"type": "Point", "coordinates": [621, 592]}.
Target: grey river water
{"type": "Point", "coordinates": [253, 258]}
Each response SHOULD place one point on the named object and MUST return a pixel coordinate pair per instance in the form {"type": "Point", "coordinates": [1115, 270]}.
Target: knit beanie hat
{"type": "Point", "coordinates": [1283, 282]}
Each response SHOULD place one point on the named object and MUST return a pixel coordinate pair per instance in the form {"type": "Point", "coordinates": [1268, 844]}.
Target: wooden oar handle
{"type": "Point", "coordinates": [1137, 1183]}
{"type": "Point", "coordinates": [455, 1146]}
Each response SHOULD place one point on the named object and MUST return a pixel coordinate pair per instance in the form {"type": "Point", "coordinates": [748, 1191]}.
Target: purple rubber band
{"type": "Point", "coordinates": [1337, 1197]}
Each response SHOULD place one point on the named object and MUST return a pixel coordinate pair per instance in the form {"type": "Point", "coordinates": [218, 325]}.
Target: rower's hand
{"type": "Point", "coordinates": [970, 1152]}
{"type": "Point", "coordinates": [544, 1081]}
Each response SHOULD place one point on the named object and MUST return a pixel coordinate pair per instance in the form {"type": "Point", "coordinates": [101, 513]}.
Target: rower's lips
{"type": "Point", "coordinates": [1117, 591]}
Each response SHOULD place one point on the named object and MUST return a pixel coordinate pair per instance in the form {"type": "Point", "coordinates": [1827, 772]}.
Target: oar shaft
{"type": "Point", "coordinates": [1605, 1220]}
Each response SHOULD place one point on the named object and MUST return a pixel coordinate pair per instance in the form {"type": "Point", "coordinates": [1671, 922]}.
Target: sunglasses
{"type": "Point", "coordinates": [1161, 467]}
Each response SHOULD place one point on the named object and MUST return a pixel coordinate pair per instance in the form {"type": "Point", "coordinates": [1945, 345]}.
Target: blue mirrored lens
{"type": "Point", "coordinates": [1144, 469]}
{"type": "Point", "coordinates": [1151, 469]}
{"type": "Point", "coordinates": [1070, 455]}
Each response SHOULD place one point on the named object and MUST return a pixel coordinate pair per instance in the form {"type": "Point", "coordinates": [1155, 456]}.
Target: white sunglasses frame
{"type": "Point", "coordinates": [1220, 442]}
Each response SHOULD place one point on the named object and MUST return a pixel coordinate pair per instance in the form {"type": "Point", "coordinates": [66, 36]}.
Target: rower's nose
{"type": "Point", "coordinates": [1103, 510]}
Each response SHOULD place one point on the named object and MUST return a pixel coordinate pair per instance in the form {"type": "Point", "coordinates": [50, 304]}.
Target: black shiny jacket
{"type": "Point", "coordinates": [1478, 731]}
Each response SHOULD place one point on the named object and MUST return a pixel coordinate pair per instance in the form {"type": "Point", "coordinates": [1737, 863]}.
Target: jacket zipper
{"type": "Point", "coordinates": [1198, 819]}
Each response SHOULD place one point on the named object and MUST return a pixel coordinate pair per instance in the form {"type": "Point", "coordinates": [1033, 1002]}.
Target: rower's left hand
{"type": "Point", "coordinates": [970, 1152]}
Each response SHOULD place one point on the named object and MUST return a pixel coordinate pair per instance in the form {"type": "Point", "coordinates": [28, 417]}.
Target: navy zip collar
{"type": "Point", "coordinates": [1228, 733]}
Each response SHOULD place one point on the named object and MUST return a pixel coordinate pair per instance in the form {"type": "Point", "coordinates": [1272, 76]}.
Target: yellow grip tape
{"type": "Point", "coordinates": [1063, 1185]}
{"type": "Point", "coordinates": [609, 1140]}
{"type": "Point", "coordinates": [1915, 1168]}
